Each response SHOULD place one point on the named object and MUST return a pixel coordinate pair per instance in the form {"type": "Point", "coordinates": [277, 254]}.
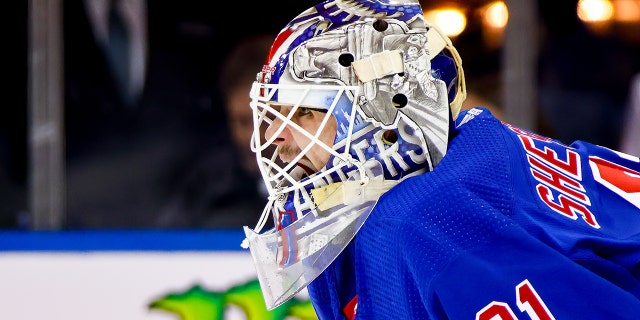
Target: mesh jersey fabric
{"type": "Point", "coordinates": [491, 230]}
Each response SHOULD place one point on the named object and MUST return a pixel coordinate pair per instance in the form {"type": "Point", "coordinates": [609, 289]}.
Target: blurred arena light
{"type": "Point", "coordinates": [627, 11]}
{"type": "Point", "coordinates": [495, 15]}
{"type": "Point", "coordinates": [612, 18]}
{"type": "Point", "coordinates": [493, 18]}
{"type": "Point", "coordinates": [452, 21]}
{"type": "Point", "coordinates": [595, 10]}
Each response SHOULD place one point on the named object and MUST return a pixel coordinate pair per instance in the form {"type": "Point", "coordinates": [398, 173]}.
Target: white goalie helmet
{"type": "Point", "coordinates": [387, 85]}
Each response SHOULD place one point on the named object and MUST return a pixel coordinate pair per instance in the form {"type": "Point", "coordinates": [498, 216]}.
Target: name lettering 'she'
{"type": "Point", "coordinates": [560, 185]}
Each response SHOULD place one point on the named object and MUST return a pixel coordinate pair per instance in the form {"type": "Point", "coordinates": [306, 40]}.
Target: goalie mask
{"type": "Point", "coordinates": [355, 96]}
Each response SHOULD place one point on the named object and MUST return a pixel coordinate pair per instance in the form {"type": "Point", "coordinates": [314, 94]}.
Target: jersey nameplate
{"type": "Point", "coordinates": [557, 169]}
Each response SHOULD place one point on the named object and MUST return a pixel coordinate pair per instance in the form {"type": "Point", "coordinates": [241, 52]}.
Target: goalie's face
{"type": "Point", "coordinates": [302, 135]}
{"type": "Point", "coordinates": [386, 82]}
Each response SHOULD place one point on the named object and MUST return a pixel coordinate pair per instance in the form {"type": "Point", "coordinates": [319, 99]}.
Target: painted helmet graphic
{"type": "Point", "coordinates": [383, 87]}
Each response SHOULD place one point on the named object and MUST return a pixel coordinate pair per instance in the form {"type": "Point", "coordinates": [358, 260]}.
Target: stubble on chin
{"type": "Point", "coordinates": [287, 153]}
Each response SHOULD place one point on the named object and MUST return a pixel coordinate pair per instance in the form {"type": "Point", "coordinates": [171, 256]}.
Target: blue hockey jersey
{"type": "Point", "coordinates": [509, 225]}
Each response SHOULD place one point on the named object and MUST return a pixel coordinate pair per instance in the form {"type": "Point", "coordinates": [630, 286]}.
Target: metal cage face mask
{"type": "Point", "coordinates": [374, 79]}
{"type": "Point", "coordinates": [310, 125]}
{"type": "Point", "coordinates": [316, 213]}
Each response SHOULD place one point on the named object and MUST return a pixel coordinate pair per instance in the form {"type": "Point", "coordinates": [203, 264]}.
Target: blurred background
{"type": "Point", "coordinates": [87, 145]}
{"type": "Point", "coordinates": [125, 176]}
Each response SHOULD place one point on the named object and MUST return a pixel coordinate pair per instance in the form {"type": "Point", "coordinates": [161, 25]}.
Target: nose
{"type": "Point", "coordinates": [271, 130]}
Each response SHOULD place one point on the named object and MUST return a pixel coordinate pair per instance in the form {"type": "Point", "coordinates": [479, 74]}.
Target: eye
{"type": "Point", "coordinates": [302, 111]}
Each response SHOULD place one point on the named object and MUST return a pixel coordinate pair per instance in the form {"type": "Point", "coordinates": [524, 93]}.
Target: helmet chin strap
{"type": "Point", "coordinates": [350, 192]}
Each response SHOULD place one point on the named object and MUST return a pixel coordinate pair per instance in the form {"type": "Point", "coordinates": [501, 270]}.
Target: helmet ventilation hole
{"type": "Point", "coordinates": [345, 59]}
{"type": "Point", "coordinates": [399, 100]}
{"type": "Point", "coordinates": [389, 137]}
{"type": "Point", "coordinates": [380, 25]}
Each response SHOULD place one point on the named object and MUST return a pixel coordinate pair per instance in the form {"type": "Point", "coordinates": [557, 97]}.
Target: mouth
{"type": "Point", "coordinates": [306, 169]}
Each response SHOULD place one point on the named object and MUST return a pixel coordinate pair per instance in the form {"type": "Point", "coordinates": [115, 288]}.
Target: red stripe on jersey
{"type": "Point", "coordinates": [350, 309]}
